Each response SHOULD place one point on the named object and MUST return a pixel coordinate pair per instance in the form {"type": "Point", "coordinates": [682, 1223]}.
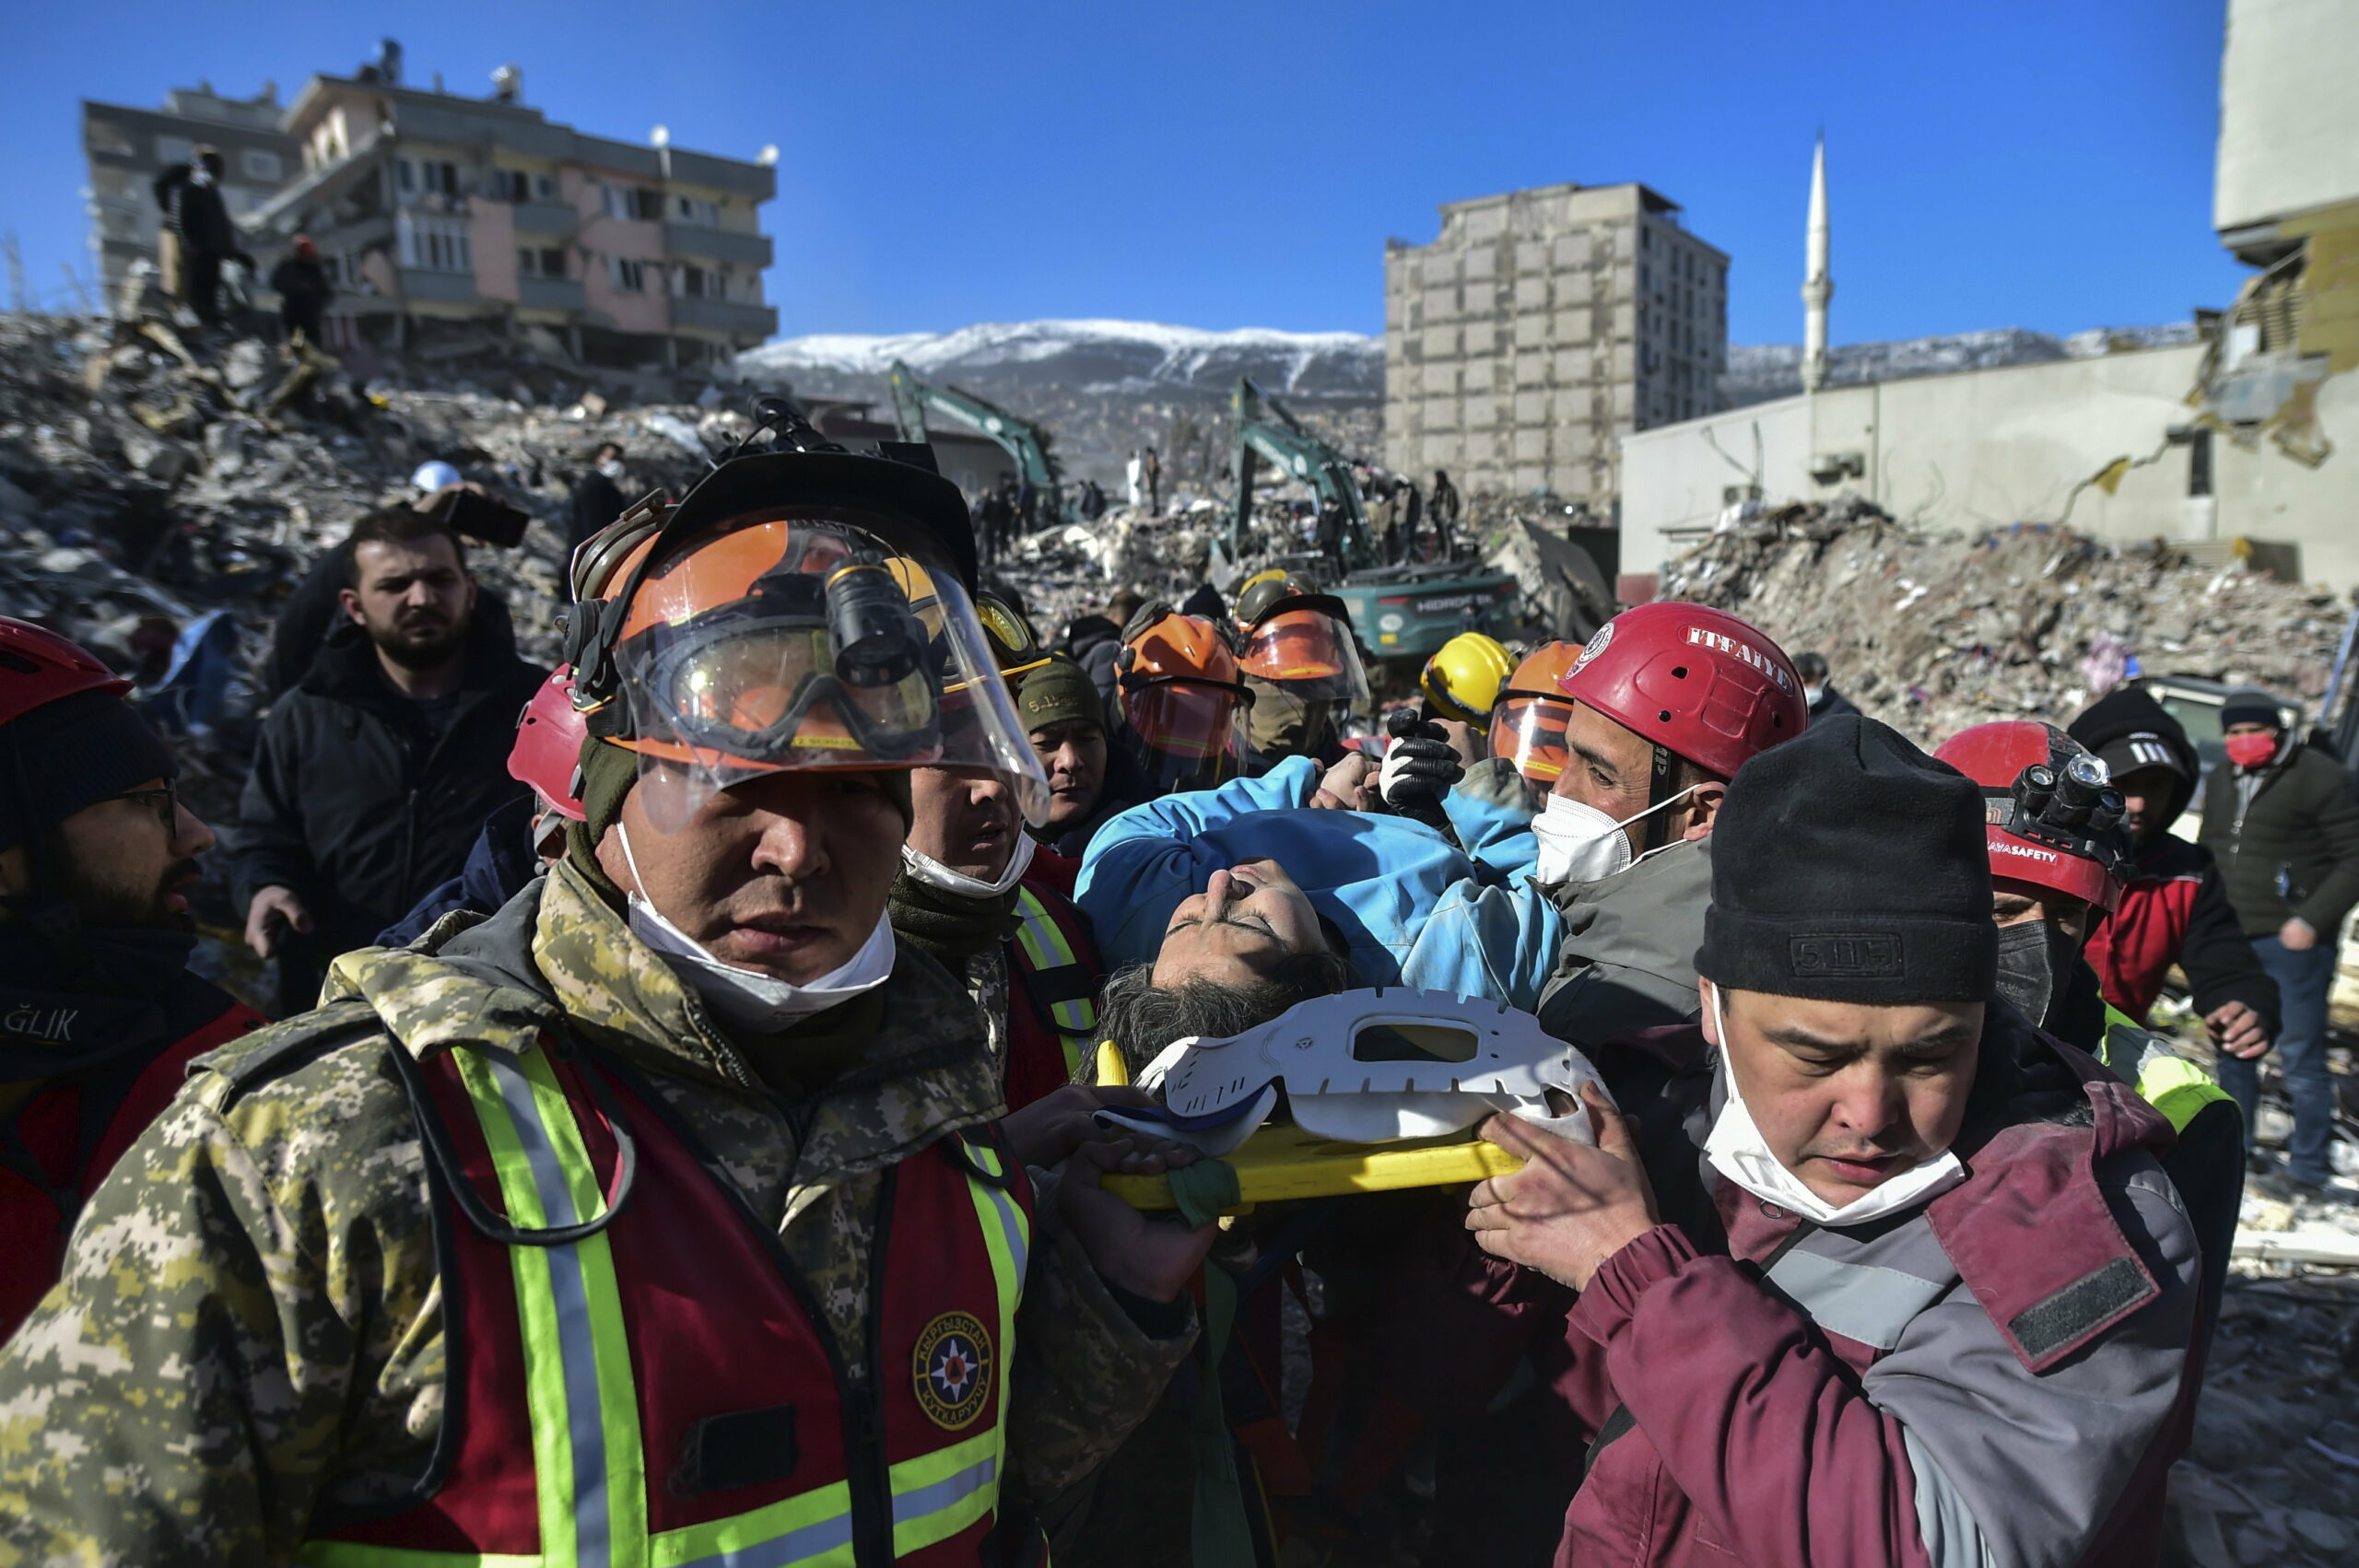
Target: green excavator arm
{"type": "Point", "coordinates": [1027, 443]}
{"type": "Point", "coordinates": [1301, 456]}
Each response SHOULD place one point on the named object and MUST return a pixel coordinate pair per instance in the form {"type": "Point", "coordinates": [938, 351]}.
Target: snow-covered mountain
{"type": "Point", "coordinates": [1760, 371]}
{"type": "Point", "coordinates": [1108, 356]}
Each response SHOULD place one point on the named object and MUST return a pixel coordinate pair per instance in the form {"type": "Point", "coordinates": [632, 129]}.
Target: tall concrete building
{"type": "Point", "coordinates": [1539, 328]}
{"type": "Point", "coordinates": [433, 208]}
{"type": "Point", "coordinates": [127, 147]}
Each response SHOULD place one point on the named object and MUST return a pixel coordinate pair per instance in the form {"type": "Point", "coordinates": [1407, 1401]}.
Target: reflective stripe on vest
{"type": "Point", "coordinates": [1046, 949]}
{"type": "Point", "coordinates": [588, 1460]}
{"type": "Point", "coordinates": [2164, 1079]}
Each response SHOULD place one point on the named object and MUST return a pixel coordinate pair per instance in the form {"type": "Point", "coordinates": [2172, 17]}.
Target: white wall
{"type": "Point", "coordinates": [1996, 446]}
{"type": "Point", "coordinates": [2289, 120]}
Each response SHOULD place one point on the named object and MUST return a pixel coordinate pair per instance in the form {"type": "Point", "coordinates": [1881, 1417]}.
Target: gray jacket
{"type": "Point", "coordinates": [1628, 958]}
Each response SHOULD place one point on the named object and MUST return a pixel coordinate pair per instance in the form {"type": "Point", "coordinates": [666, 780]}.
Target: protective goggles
{"type": "Point", "coordinates": [1530, 733]}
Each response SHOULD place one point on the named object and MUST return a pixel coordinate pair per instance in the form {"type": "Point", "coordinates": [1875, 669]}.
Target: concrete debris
{"type": "Point", "coordinates": [1934, 632]}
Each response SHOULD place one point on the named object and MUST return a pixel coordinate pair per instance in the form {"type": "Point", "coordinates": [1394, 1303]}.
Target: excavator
{"type": "Point", "coordinates": [1024, 442]}
{"type": "Point", "coordinates": [1403, 612]}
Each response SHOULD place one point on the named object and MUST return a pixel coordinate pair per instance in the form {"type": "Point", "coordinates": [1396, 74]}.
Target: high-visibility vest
{"type": "Point", "coordinates": [1052, 973]}
{"type": "Point", "coordinates": [643, 1379]}
{"type": "Point", "coordinates": [2164, 1079]}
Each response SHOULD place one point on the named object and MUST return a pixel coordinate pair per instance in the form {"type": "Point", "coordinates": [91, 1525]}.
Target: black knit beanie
{"type": "Point", "coordinates": [2250, 705]}
{"type": "Point", "coordinates": [1848, 866]}
{"type": "Point", "coordinates": [70, 753]}
{"type": "Point", "coordinates": [607, 774]}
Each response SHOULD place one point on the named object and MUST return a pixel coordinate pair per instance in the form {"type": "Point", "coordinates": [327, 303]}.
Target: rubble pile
{"type": "Point", "coordinates": [1934, 632]}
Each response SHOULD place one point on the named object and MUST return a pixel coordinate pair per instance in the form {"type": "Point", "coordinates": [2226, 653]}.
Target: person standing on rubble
{"type": "Point", "coordinates": [1870, 1271]}
{"type": "Point", "coordinates": [1442, 511]}
{"type": "Point", "coordinates": [666, 1214]}
{"type": "Point", "coordinates": [597, 495]}
{"type": "Point", "coordinates": [1824, 701]}
{"type": "Point", "coordinates": [374, 774]}
{"type": "Point", "coordinates": [190, 195]}
{"type": "Point", "coordinates": [99, 1016]}
{"type": "Point", "coordinates": [2280, 819]}
{"type": "Point", "coordinates": [300, 281]}
{"type": "Point", "coordinates": [1151, 475]}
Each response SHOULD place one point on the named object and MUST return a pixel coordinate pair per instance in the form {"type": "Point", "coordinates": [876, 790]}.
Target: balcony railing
{"type": "Point", "coordinates": [721, 244]}
{"type": "Point", "coordinates": [725, 315]}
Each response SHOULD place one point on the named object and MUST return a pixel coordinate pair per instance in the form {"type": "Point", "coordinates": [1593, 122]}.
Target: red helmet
{"type": "Point", "coordinates": [1695, 681]}
{"type": "Point", "coordinates": [548, 752]}
{"type": "Point", "coordinates": [39, 667]}
{"type": "Point", "coordinates": [2050, 808]}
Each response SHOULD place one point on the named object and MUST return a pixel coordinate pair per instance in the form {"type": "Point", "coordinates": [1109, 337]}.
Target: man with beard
{"type": "Point", "coordinates": [375, 772]}
{"type": "Point", "coordinates": [98, 1014]}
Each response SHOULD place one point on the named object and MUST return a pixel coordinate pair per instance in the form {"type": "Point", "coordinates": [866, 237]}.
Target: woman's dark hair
{"type": "Point", "coordinates": [1142, 1017]}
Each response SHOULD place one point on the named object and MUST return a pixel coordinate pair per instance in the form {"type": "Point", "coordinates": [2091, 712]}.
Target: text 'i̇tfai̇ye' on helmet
{"type": "Point", "coordinates": [1695, 682]}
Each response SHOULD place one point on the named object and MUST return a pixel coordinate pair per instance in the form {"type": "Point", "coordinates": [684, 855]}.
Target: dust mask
{"type": "Point", "coordinates": [1811, 695]}
{"type": "Point", "coordinates": [2250, 751]}
{"type": "Point", "coordinates": [1579, 843]}
{"type": "Point", "coordinates": [748, 1000]}
{"type": "Point", "coordinates": [1738, 1152]}
{"type": "Point", "coordinates": [612, 468]}
{"type": "Point", "coordinates": [925, 869]}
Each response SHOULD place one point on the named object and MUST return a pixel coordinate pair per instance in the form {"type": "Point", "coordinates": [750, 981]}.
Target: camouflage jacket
{"type": "Point", "coordinates": [247, 1347]}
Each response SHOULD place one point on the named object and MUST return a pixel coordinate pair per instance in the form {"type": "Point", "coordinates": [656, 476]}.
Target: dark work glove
{"type": "Point", "coordinates": [1419, 767]}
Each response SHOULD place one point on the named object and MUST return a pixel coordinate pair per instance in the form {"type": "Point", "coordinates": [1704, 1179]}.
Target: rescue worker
{"type": "Point", "coordinates": [1527, 716]}
{"type": "Point", "coordinates": [300, 281]}
{"type": "Point", "coordinates": [1302, 664]}
{"type": "Point", "coordinates": [1179, 692]}
{"type": "Point", "coordinates": [2056, 870]}
{"type": "Point", "coordinates": [99, 1013]}
{"type": "Point", "coordinates": [190, 195]}
{"type": "Point", "coordinates": [2174, 909]}
{"type": "Point", "coordinates": [1669, 700]}
{"type": "Point", "coordinates": [1463, 679]}
{"type": "Point", "coordinates": [1870, 1271]}
{"type": "Point", "coordinates": [1064, 720]}
{"type": "Point", "coordinates": [661, 1216]}
{"type": "Point", "coordinates": [968, 898]}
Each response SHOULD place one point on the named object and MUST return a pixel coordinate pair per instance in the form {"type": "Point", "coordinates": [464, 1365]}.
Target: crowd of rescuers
{"type": "Point", "coordinates": [679, 1144]}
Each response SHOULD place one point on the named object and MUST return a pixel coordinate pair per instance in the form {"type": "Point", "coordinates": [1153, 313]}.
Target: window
{"type": "Point", "coordinates": [174, 150]}
{"type": "Point", "coordinates": [508, 185]}
{"type": "Point", "coordinates": [634, 202]}
{"type": "Point", "coordinates": [627, 275]}
{"type": "Point", "coordinates": [693, 210]}
{"type": "Point", "coordinates": [541, 260]}
{"type": "Point", "coordinates": [101, 137]}
{"type": "Point", "coordinates": [405, 175]}
{"type": "Point", "coordinates": [435, 244]}
{"type": "Point", "coordinates": [698, 284]}
{"type": "Point", "coordinates": [544, 188]}
{"type": "Point", "coordinates": [256, 164]}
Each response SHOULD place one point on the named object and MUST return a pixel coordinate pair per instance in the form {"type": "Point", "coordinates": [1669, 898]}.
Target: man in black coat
{"type": "Point", "coordinates": [194, 207]}
{"type": "Point", "coordinates": [597, 495]}
{"type": "Point", "coordinates": [1818, 692]}
{"type": "Point", "coordinates": [303, 289]}
{"type": "Point", "coordinates": [2282, 820]}
{"type": "Point", "coordinates": [374, 774]}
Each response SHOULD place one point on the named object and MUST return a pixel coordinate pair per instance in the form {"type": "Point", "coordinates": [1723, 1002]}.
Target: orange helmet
{"type": "Point", "coordinates": [797, 609]}
{"type": "Point", "coordinates": [1528, 721]}
{"type": "Point", "coordinates": [1304, 642]}
{"type": "Point", "coordinates": [1181, 692]}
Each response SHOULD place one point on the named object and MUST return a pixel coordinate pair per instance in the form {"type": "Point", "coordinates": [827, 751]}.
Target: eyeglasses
{"type": "Point", "coordinates": [165, 803]}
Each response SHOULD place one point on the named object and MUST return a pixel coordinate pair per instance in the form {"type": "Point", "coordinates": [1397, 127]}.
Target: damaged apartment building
{"type": "Point", "coordinates": [2237, 441]}
{"type": "Point", "coordinates": [434, 212]}
{"type": "Point", "coordinates": [1542, 326]}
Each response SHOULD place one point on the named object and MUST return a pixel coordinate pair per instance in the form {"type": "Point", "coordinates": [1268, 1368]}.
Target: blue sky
{"type": "Point", "coordinates": [1225, 164]}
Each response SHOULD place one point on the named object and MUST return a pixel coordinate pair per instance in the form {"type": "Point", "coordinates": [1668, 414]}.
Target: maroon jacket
{"type": "Point", "coordinates": [2000, 1376]}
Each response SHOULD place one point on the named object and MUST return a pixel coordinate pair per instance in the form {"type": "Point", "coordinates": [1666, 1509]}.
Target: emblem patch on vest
{"type": "Point", "coordinates": [953, 1370]}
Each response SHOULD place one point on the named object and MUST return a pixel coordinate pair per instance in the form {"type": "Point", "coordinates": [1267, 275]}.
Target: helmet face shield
{"type": "Point", "coordinates": [774, 643]}
{"type": "Point", "coordinates": [1530, 733]}
{"type": "Point", "coordinates": [1310, 653]}
{"type": "Point", "coordinates": [1186, 730]}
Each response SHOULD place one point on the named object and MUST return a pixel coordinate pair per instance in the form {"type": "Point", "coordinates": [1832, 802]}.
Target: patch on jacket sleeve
{"type": "Point", "coordinates": [2080, 1308]}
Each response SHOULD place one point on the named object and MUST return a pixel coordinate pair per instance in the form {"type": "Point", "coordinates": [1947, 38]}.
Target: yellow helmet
{"type": "Point", "coordinates": [1462, 679]}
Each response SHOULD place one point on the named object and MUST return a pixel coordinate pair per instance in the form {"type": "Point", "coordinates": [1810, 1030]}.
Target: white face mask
{"type": "Point", "coordinates": [934, 873]}
{"type": "Point", "coordinates": [1579, 843]}
{"type": "Point", "coordinates": [1811, 694]}
{"type": "Point", "coordinates": [1738, 1152]}
{"type": "Point", "coordinates": [612, 468]}
{"type": "Point", "coordinates": [748, 1000]}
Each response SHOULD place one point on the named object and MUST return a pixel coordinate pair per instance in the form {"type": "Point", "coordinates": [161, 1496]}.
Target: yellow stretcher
{"type": "Point", "coordinates": [1281, 1162]}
